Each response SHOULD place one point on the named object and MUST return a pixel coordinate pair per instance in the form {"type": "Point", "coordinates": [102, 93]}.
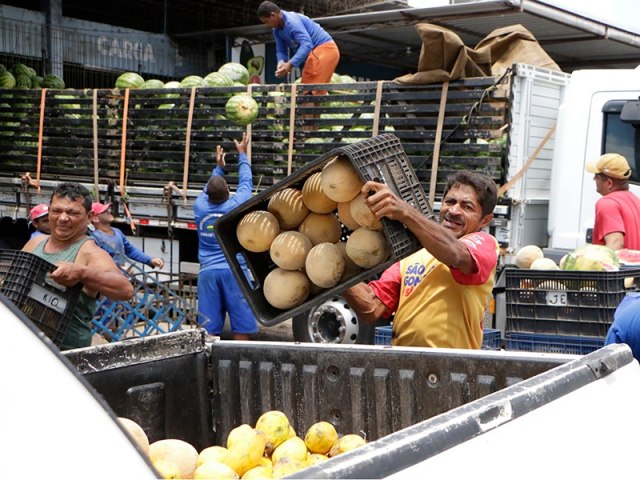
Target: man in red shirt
{"type": "Point", "coordinates": [617, 223]}
{"type": "Point", "coordinates": [440, 293]}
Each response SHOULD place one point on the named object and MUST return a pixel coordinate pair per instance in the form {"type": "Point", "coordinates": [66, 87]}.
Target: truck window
{"type": "Point", "coordinates": [620, 137]}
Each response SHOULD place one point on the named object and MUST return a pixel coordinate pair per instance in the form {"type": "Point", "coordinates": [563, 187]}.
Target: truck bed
{"type": "Point", "coordinates": [179, 386]}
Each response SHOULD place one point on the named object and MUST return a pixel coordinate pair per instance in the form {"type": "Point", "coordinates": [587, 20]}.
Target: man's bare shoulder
{"type": "Point", "coordinates": [34, 242]}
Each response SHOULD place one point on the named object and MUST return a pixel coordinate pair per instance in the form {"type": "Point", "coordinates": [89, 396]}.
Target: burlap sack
{"type": "Point", "coordinates": [444, 56]}
{"type": "Point", "coordinates": [515, 44]}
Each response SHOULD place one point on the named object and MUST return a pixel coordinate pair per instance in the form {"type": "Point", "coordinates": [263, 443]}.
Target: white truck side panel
{"type": "Point", "coordinates": [578, 141]}
{"type": "Point", "coordinates": [537, 95]}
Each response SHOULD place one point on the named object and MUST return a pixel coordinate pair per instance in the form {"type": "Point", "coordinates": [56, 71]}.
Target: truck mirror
{"type": "Point", "coordinates": [631, 113]}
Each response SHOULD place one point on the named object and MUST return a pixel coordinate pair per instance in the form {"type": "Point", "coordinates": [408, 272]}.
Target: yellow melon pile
{"type": "Point", "coordinates": [270, 449]}
{"type": "Point", "coordinates": [302, 229]}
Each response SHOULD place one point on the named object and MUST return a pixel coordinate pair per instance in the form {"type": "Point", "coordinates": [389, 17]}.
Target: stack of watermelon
{"type": "Point", "coordinates": [240, 109]}
{"type": "Point", "coordinates": [22, 76]}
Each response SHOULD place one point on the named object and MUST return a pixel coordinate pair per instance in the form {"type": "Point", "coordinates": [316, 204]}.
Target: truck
{"type": "Point", "coordinates": [149, 152]}
{"type": "Point", "coordinates": [421, 410]}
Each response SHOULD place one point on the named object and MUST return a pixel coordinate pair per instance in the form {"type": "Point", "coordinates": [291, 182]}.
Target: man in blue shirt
{"type": "Point", "coordinates": [626, 324]}
{"type": "Point", "coordinates": [114, 241]}
{"type": "Point", "coordinates": [312, 45]}
{"type": "Point", "coordinates": [218, 289]}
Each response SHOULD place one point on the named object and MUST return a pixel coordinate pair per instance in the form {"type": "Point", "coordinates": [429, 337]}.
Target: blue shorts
{"type": "Point", "coordinates": [219, 293]}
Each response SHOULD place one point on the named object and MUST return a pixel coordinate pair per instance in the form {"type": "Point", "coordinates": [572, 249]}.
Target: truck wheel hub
{"type": "Point", "coordinates": [333, 322]}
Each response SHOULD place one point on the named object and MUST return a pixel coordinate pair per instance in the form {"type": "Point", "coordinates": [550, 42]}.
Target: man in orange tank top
{"type": "Point", "coordinates": [440, 293]}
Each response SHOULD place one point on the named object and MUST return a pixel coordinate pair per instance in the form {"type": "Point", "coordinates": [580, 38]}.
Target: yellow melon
{"type": "Point", "coordinates": [258, 473]}
{"type": "Point", "coordinates": [314, 197]}
{"type": "Point", "coordinates": [340, 180]}
{"type": "Point", "coordinates": [325, 265]}
{"type": "Point", "coordinates": [344, 215]}
{"type": "Point", "coordinates": [246, 454]}
{"type": "Point", "coordinates": [286, 289]}
{"type": "Point", "coordinates": [350, 267]}
{"type": "Point", "coordinates": [256, 230]}
{"type": "Point", "coordinates": [136, 431]}
{"type": "Point", "coordinates": [367, 248]}
{"type": "Point", "coordinates": [321, 228]}
{"type": "Point", "coordinates": [289, 250]}
{"type": "Point", "coordinates": [214, 452]}
{"type": "Point", "coordinates": [292, 448]}
{"type": "Point", "coordinates": [213, 470]}
{"type": "Point", "coordinates": [276, 427]}
{"type": "Point", "coordinates": [320, 437]}
{"type": "Point", "coordinates": [183, 454]}
{"type": "Point", "coordinates": [346, 443]}
{"type": "Point", "coordinates": [362, 214]}
{"type": "Point", "coordinates": [287, 206]}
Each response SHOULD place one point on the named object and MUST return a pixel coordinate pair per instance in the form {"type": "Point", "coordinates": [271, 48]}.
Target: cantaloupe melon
{"type": "Point", "coordinates": [257, 229]}
{"type": "Point", "coordinates": [350, 268]}
{"type": "Point", "coordinates": [314, 197]}
{"type": "Point", "coordinates": [286, 289]}
{"type": "Point", "coordinates": [177, 451]}
{"type": "Point", "coordinates": [340, 180]}
{"type": "Point", "coordinates": [527, 255]}
{"type": "Point", "coordinates": [367, 248]}
{"type": "Point", "coordinates": [136, 431]}
{"type": "Point", "coordinates": [289, 250]}
{"type": "Point", "coordinates": [288, 208]}
{"type": "Point", "coordinates": [344, 215]}
{"type": "Point", "coordinates": [544, 264]}
{"type": "Point", "coordinates": [321, 227]}
{"type": "Point", "coordinates": [325, 265]}
{"type": "Point", "coordinates": [363, 214]}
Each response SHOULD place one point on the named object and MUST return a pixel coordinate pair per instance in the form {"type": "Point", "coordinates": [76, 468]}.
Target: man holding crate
{"type": "Point", "coordinates": [440, 293]}
{"type": "Point", "coordinates": [79, 259]}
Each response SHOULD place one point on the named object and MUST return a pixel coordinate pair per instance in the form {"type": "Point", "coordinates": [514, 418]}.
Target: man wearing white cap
{"type": "Point", "coordinates": [617, 223]}
{"type": "Point", "coordinates": [39, 218]}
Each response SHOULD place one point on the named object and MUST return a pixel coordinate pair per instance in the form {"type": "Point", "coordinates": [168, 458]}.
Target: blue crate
{"type": "Point", "coordinates": [491, 339]}
{"type": "Point", "coordinates": [383, 335]}
{"type": "Point", "coordinates": [540, 342]}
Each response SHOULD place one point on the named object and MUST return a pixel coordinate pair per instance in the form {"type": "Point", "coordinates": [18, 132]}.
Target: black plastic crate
{"type": "Point", "coordinates": [579, 303]}
{"type": "Point", "coordinates": [381, 158]}
{"type": "Point", "coordinates": [24, 280]}
{"type": "Point", "coordinates": [540, 342]}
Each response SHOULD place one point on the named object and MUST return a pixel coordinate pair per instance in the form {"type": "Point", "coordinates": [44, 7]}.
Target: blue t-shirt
{"type": "Point", "coordinates": [210, 254]}
{"type": "Point", "coordinates": [300, 34]}
{"type": "Point", "coordinates": [119, 247]}
{"type": "Point", "coordinates": [626, 324]}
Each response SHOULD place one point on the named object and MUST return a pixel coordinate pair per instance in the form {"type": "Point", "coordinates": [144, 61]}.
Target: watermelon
{"type": "Point", "coordinates": [22, 69]}
{"type": "Point", "coordinates": [2, 68]}
{"type": "Point", "coordinates": [170, 85]}
{"type": "Point", "coordinates": [23, 81]}
{"type": "Point", "coordinates": [628, 257]}
{"type": "Point", "coordinates": [36, 82]}
{"type": "Point", "coordinates": [152, 83]}
{"type": "Point", "coordinates": [236, 72]}
{"type": "Point", "coordinates": [7, 80]}
{"type": "Point", "coordinates": [52, 81]}
{"type": "Point", "coordinates": [241, 109]}
{"type": "Point", "coordinates": [129, 80]}
{"type": "Point", "coordinates": [217, 79]}
{"type": "Point", "coordinates": [191, 81]}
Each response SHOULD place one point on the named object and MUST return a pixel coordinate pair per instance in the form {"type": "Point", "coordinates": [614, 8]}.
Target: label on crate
{"type": "Point", "coordinates": [48, 298]}
{"type": "Point", "coordinates": [556, 298]}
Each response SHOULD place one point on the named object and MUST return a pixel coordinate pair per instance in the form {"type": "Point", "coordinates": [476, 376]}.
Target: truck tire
{"type": "Point", "coordinates": [333, 321]}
